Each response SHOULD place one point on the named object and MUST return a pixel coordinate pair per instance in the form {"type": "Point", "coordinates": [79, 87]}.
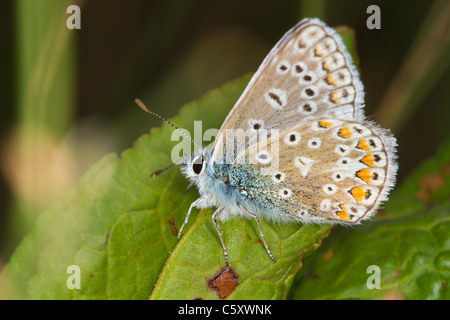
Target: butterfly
{"type": "Point", "coordinates": [296, 146]}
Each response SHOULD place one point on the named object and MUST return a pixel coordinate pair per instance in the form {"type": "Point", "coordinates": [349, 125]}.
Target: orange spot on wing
{"type": "Point", "coordinates": [334, 97]}
{"type": "Point", "coordinates": [325, 124]}
{"type": "Point", "coordinates": [317, 52]}
{"type": "Point", "coordinates": [359, 193]}
{"type": "Point", "coordinates": [325, 66]}
{"type": "Point", "coordinates": [330, 80]}
{"type": "Point", "coordinates": [363, 145]}
{"type": "Point", "coordinates": [345, 132]}
{"type": "Point", "coordinates": [368, 160]}
{"type": "Point", "coordinates": [365, 175]}
{"type": "Point", "coordinates": [343, 215]}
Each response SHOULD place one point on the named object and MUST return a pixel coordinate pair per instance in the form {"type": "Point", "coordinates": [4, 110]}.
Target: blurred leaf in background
{"type": "Point", "coordinates": [38, 166]}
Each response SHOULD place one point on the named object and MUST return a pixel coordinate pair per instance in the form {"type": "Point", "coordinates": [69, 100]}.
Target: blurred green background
{"type": "Point", "coordinates": [68, 95]}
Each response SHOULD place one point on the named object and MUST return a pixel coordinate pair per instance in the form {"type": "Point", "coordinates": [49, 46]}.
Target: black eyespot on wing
{"type": "Point", "coordinates": [298, 69]}
{"type": "Point", "coordinates": [307, 107]}
{"type": "Point", "coordinates": [276, 98]}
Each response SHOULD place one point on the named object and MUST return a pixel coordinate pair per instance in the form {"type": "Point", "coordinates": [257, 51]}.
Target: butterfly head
{"type": "Point", "coordinates": [194, 166]}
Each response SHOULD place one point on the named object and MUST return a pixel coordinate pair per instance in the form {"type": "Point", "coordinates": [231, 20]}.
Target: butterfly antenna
{"type": "Point", "coordinates": [158, 172]}
{"type": "Point", "coordinates": [144, 107]}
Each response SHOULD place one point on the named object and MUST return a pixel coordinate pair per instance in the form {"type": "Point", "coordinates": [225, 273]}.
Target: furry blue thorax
{"type": "Point", "coordinates": [231, 186]}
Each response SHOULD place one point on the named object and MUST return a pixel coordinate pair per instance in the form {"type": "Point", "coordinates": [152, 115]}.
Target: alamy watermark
{"type": "Point", "coordinates": [252, 146]}
{"type": "Point", "coordinates": [74, 20]}
{"type": "Point", "coordinates": [374, 280]}
{"type": "Point", "coordinates": [74, 280]}
{"type": "Point", "coordinates": [374, 20]}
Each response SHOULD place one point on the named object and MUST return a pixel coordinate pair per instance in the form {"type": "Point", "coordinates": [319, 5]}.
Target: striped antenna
{"type": "Point", "coordinates": [144, 107]}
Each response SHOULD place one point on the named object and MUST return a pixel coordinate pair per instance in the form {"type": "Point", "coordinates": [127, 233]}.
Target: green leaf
{"type": "Point", "coordinates": [197, 259]}
{"type": "Point", "coordinates": [409, 242]}
{"type": "Point", "coordinates": [348, 37]}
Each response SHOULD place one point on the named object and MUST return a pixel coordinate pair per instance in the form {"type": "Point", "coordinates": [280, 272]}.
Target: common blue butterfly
{"type": "Point", "coordinates": [296, 146]}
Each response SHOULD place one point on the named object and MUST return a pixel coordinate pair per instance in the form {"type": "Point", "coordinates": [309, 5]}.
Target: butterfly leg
{"type": "Point", "coordinates": [214, 218]}
{"type": "Point", "coordinates": [193, 204]}
{"type": "Point", "coordinates": [254, 216]}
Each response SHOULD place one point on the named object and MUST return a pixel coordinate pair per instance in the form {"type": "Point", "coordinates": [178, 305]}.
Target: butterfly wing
{"type": "Point", "coordinates": [308, 74]}
{"type": "Point", "coordinates": [297, 142]}
{"type": "Point", "coordinates": [324, 170]}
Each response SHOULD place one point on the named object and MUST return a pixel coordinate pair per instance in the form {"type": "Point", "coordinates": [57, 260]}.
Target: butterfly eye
{"type": "Point", "coordinates": [197, 165]}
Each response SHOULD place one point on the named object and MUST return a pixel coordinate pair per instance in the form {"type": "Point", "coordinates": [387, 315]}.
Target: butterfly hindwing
{"type": "Point", "coordinates": [325, 170]}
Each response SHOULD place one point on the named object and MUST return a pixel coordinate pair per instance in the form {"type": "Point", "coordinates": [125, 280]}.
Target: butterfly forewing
{"type": "Point", "coordinates": [308, 74]}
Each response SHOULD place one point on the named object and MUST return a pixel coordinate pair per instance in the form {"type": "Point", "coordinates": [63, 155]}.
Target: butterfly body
{"type": "Point", "coordinates": [296, 146]}
{"type": "Point", "coordinates": [233, 186]}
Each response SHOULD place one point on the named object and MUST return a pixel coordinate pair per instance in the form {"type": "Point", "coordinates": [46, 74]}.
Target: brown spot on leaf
{"type": "Point", "coordinates": [328, 255]}
{"type": "Point", "coordinates": [394, 295]}
{"type": "Point", "coordinates": [429, 184]}
{"type": "Point", "coordinates": [224, 282]}
{"type": "Point", "coordinates": [104, 244]}
{"type": "Point", "coordinates": [446, 169]}
{"type": "Point", "coordinates": [172, 226]}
